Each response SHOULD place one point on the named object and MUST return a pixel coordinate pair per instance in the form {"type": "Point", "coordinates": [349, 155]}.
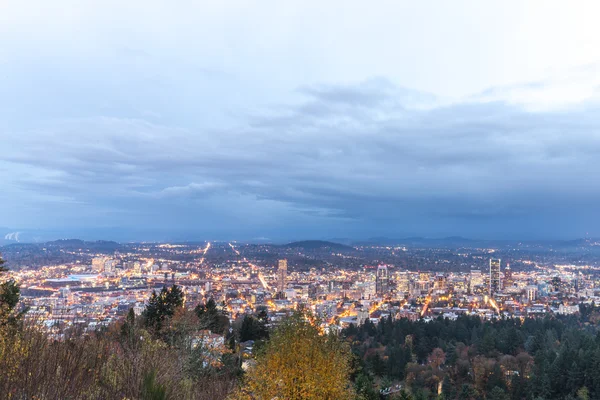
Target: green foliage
{"type": "Point", "coordinates": [10, 294]}
{"type": "Point", "coordinates": [151, 390]}
{"type": "Point", "coordinates": [253, 329]}
{"type": "Point", "coordinates": [364, 387]}
{"type": "Point", "coordinates": [128, 330]}
{"type": "Point", "coordinates": [497, 394]}
{"type": "Point", "coordinates": [212, 318]}
{"type": "Point", "coordinates": [162, 306]}
{"type": "Point", "coordinates": [556, 357]}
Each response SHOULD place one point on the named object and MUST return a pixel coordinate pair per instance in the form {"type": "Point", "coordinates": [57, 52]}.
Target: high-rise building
{"type": "Point", "coordinates": [494, 276]}
{"type": "Point", "coordinates": [475, 279]}
{"type": "Point", "coordinates": [556, 284]}
{"type": "Point", "coordinates": [382, 281]}
{"type": "Point", "coordinates": [281, 275]}
{"type": "Point", "coordinates": [402, 283]}
{"type": "Point", "coordinates": [532, 291]}
{"type": "Point", "coordinates": [440, 282]}
{"type": "Point", "coordinates": [508, 278]}
{"type": "Point", "coordinates": [98, 264]}
{"type": "Point", "coordinates": [109, 266]}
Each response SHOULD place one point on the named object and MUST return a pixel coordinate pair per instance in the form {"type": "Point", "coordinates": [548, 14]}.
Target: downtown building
{"type": "Point", "coordinates": [494, 282]}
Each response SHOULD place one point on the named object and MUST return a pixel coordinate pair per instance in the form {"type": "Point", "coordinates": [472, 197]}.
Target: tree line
{"type": "Point", "coordinates": [467, 358]}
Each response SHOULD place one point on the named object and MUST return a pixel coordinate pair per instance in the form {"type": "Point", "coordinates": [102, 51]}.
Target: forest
{"type": "Point", "coordinates": [467, 358]}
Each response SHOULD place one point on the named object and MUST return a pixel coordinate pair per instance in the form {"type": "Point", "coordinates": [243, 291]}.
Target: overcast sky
{"type": "Point", "coordinates": [300, 119]}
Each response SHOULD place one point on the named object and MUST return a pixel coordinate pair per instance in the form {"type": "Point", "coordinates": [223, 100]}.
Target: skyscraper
{"type": "Point", "coordinates": [281, 275]}
{"type": "Point", "coordinates": [98, 264]}
{"type": "Point", "coordinates": [508, 279]}
{"type": "Point", "coordinates": [494, 276]}
{"type": "Point", "coordinates": [475, 279]}
{"type": "Point", "coordinates": [382, 280]}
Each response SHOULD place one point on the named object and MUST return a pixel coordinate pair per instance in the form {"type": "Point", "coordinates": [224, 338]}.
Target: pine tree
{"type": "Point", "coordinates": [162, 306]}
{"type": "Point", "coordinates": [10, 294]}
{"type": "Point", "coordinates": [211, 317]}
{"type": "Point", "coordinates": [2, 267]}
{"type": "Point", "coordinates": [497, 394]}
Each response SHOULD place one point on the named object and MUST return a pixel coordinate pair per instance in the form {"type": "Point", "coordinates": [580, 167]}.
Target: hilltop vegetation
{"type": "Point", "coordinates": [317, 245]}
{"type": "Point", "coordinates": [506, 359]}
{"type": "Point", "coordinates": [156, 356]}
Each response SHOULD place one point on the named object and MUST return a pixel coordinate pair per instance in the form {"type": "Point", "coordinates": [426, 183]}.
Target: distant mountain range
{"type": "Point", "coordinates": [317, 244]}
{"type": "Point", "coordinates": [8, 237]}
{"type": "Point", "coordinates": [458, 241]}
{"type": "Point", "coordinates": [73, 244]}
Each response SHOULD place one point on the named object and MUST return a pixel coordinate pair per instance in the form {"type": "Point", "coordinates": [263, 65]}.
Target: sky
{"type": "Point", "coordinates": [255, 120]}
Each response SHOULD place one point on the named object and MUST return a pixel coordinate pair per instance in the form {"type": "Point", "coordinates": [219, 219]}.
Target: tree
{"type": "Point", "coordinates": [583, 394]}
{"type": "Point", "coordinates": [128, 331]}
{"type": "Point", "coordinates": [468, 392]}
{"type": "Point", "coordinates": [437, 357]}
{"type": "Point", "coordinates": [162, 306]}
{"type": "Point", "coordinates": [364, 388]}
{"type": "Point", "coordinates": [10, 294]}
{"type": "Point", "coordinates": [299, 362]}
{"type": "Point", "coordinates": [497, 394]}
{"type": "Point", "coordinates": [252, 329]}
{"type": "Point", "coordinates": [211, 317]}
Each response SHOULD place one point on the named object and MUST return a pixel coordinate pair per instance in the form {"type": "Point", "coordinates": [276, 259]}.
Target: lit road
{"type": "Point", "coordinates": [204, 252]}
{"type": "Point", "coordinates": [234, 249]}
{"type": "Point", "coordinates": [261, 278]}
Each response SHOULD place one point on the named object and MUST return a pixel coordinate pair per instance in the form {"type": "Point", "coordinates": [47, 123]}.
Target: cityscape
{"type": "Point", "coordinates": [299, 200]}
{"type": "Point", "coordinates": [340, 284]}
{"type": "Point", "coordinates": [231, 296]}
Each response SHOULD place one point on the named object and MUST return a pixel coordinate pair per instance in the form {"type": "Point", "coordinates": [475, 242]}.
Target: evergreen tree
{"type": "Point", "coordinates": [128, 331]}
{"type": "Point", "coordinates": [10, 294]}
{"type": "Point", "coordinates": [211, 317]}
{"type": "Point", "coordinates": [252, 329]}
{"type": "Point", "coordinates": [364, 388]}
{"type": "Point", "coordinates": [497, 394]}
{"type": "Point", "coordinates": [161, 307]}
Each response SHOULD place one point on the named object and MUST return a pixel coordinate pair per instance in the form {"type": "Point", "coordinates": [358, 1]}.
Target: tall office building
{"type": "Point", "coordinates": [382, 280]}
{"type": "Point", "coordinates": [440, 282]}
{"type": "Point", "coordinates": [403, 283]}
{"type": "Point", "coordinates": [532, 292]}
{"type": "Point", "coordinates": [281, 275]}
{"type": "Point", "coordinates": [508, 278]}
{"type": "Point", "coordinates": [475, 279]}
{"type": "Point", "coordinates": [109, 266]}
{"type": "Point", "coordinates": [494, 276]}
{"type": "Point", "coordinates": [98, 264]}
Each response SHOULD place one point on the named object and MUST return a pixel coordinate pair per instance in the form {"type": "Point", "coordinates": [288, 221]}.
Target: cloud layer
{"type": "Point", "coordinates": [370, 155]}
{"type": "Point", "coordinates": [191, 123]}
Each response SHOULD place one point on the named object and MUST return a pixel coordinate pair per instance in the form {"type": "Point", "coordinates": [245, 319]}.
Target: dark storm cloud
{"type": "Point", "coordinates": [371, 153]}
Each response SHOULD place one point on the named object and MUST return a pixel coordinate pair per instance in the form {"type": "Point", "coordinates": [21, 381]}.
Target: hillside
{"type": "Point", "coordinates": [317, 245]}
